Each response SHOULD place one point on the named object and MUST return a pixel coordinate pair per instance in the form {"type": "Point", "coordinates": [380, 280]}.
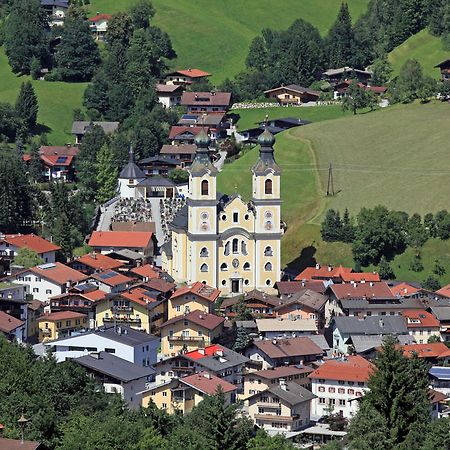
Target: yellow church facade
{"type": "Point", "coordinates": [220, 240]}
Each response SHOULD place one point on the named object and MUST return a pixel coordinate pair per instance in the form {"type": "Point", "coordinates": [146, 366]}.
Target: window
{"type": "Point", "coordinates": [268, 282]}
{"type": "Point", "coordinates": [186, 323]}
{"type": "Point", "coordinates": [332, 401]}
{"type": "Point", "coordinates": [244, 248]}
{"type": "Point", "coordinates": [226, 250]}
{"type": "Point", "coordinates": [235, 217]}
{"type": "Point", "coordinates": [178, 308]}
{"type": "Point", "coordinates": [360, 383]}
{"type": "Point", "coordinates": [268, 267]}
{"type": "Point", "coordinates": [247, 266]}
{"type": "Point", "coordinates": [331, 389]}
{"type": "Point", "coordinates": [200, 333]}
{"type": "Point", "coordinates": [164, 405]}
{"type": "Point", "coordinates": [164, 394]}
{"type": "Point", "coordinates": [37, 279]}
{"type": "Point", "coordinates": [77, 322]}
{"type": "Point", "coordinates": [204, 252]}
{"type": "Point", "coordinates": [341, 391]}
{"type": "Point", "coordinates": [204, 268]}
{"type": "Point", "coordinates": [110, 350]}
{"type": "Point", "coordinates": [321, 389]}
{"type": "Point", "coordinates": [48, 291]}
{"type": "Point", "coordinates": [224, 282]}
{"type": "Point", "coordinates": [268, 251]}
{"type": "Point", "coordinates": [268, 187]}
{"type": "Point", "coordinates": [350, 391]}
{"type": "Point", "coordinates": [35, 289]}
{"type": "Point", "coordinates": [235, 245]}
{"type": "Point", "coordinates": [341, 402]}
{"type": "Point", "coordinates": [205, 187]}
{"type": "Point", "coordinates": [67, 323]}
{"type": "Point", "coordinates": [223, 267]}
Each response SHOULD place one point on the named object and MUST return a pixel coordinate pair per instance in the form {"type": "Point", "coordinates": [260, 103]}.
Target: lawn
{"type": "Point", "coordinates": [214, 35]}
{"type": "Point", "coordinates": [56, 101]}
{"type": "Point", "coordinates": [424, 48]}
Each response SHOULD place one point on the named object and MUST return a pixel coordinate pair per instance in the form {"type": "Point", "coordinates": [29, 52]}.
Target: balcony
{"type": "Point", "coordinates": [127, 309]}
{"type": "Point", "coordinates": [186, 338]}
{"type": "Point", "coordinates": [121, 320]}
{"type": "Point", "coordinates": [274, 417]}
{"type": "Point", "coordinates": [46, 331]}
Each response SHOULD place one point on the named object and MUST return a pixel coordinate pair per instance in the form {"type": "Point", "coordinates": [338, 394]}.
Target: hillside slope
{"type": "Point", "coordinates": [214, 35]}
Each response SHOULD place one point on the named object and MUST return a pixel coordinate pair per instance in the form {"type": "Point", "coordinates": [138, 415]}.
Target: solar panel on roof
{"type": "Point", "coordinates": [61, 159]}
{"type": "Point", "coordinates": [47, 266]}
{"type": "Point", "coordinates": [107, 275]}
{"type": "Point", "coordinates": [189, 117]}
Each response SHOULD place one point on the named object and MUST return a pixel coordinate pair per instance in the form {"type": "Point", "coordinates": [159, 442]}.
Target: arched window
{"type": "Point", "coordinates": [268, 187]}
{"type": "Point", "coordinates": [268, 251]}
{"type": "Point", "coordinates": [246, 266]}
{"type": "Point", "coordinates": [226, 251]}
{"type": "Point", "coordinates": [223, 267]}
{"type": "Point", "coordinates": [268, 267]}
{"type": "Point", "coordinates": [235, 245]}
{"type": "Point", "coordinates": [244, 248]}
{"type": "Point", "coordinates": [204, 268]}
{"type": "Point", "coordinates": [204, 252]}
{"type": "Point", "coordinates": [205, 187]}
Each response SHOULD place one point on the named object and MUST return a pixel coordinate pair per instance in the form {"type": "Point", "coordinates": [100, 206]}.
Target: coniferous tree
{"type": "Point", "coordinates": [107, 174]}
{"type": "Point", "coordinates": [62, 234]}
{"type": "Point", "coordinates": [442, 222]}
{"type": "Point", "coordinates": [25, 36]}
{"type": "Point", "coordinates": [77, 56]}
{"type": "Point", "coordinates": [431, 283]}
{"type": "Point", "coordinates": [331, 229]}
{"type": "Point", "coordinates": [347, 229]}
{"type": "Point", "coordinates": [242, 339]}
{"type": "Point", "coordinates": [36, 168]}
{"type": "Point", "coordinates": [241, 310]}
{"type": "Point", "coordinates": [27, 105]}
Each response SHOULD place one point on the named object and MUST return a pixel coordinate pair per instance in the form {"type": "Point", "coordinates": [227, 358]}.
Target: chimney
{"type": "Point", "coordinates": [371, 284]}
{"type": "Point", "coordinates": [219, 352]}
{"type": "Point", "coordinates": [303, 284]}
{"type": "Point", "coordinates": [317, 266]}
{"type": "Point", "coordinates": [283, 384]}
{"type": "Point", "coordinates": [201, 351]}
{"type": "Point", "coordinates": [330, 268]}
{"type": "Point", "coordinates": [96, 355]}
{"type": "Point", "coordinates": [363, 280]}
{"type": "Point", "coordinates": [207, 375]}
{"type": "Point", "coordinates": [274, 341]}
{"type": "Point", "coordinates": [381, 322]}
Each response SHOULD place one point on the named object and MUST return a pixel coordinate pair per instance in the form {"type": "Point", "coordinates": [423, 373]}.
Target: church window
{"type": "Point", "coordinates": [205, 187]}
{"type": "Point", "coordinates": [268, 282]}
{"type": "Point", "coordinates": [235, 217]}
{"type": "Point", "coordinates": [247, 266]}
{"type": "Point", "coordinates": [268, 187]}
{"type": "Point", "coordinates": [224, 282]}
{"type": "Point", "coordinates": [246, 217]}
{"type": "Point", "coordinates": [226, 251]}
{"type": "Point", "coordinates": [224, 217]}
{"type": "Point", "coordinates": [246, 282]}
{"type": "Point", "coordinates": [268, 251]}
{"type": "Point", "coordinates": [204, 252]}
{"type": "Point", "coordinates": [223, 267]}
{"type": "Point", "coordinates": [235, 245]}
{"type": "Point", "coordinates": [204, 268]}
{"type": "Point", "coordinates": [268, 267]}
{"type": "Point", "coordinates": [244, 248]}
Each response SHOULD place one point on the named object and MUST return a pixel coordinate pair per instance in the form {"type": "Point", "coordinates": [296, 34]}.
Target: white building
{"type": "Point", "coordinates": [12, 328]}
{"type": "Point", "coordinates": [169, 94]}
{"type": "Point", "coordinates": [134, 346]}
{"type": "Point", "coordinates": [338, 385]}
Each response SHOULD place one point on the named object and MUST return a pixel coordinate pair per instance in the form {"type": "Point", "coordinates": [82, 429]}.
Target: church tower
{"type": "Point", "coordinates": [266, 198]}
{"type": "Point", "coordinates": [129, 177]}
{"type": "Point", "coordinates": [202, 215]}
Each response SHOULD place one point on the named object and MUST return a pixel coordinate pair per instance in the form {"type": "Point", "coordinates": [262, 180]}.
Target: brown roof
{"type": "Point", "coordinates": [98, 261]}
{"type": "Point", "coordinates": [176, 130]}
{"type": "Point", "coordinates": [158, 284]}
{"type": "Point", "coordinates": [281, 348]}
{"type": "Point", "coordinates": [362, 290]}
{"type": "Point", "coordinates": [182, 149]}
{"type": "Point", "coordinates": [111, 278]}
{"type": "Point", "coordinates": [57, 272]}
{"type": "Point", "coordinates": [445, 291]}
{"type": "Point", "coordinates": [206, 98]}
{"type": "Point", "coordinates": [134, 226]}
{"type": "Point", "coordinates": [61, 315]}
{"type": "Point", "coordinates": [191, 73]}
{"type": "Point", "coordinates": [201, 290]}
{"type": "Point", "coordinates": [352, 368]}
{"type": "Point", "coordinates": [308, 298]}
{"type": "Point", "coordinates": [31, 241]}
{"type": "Point", "coordinates": [205, 320]}
{"type": "Point", "coordinates": [437, 396]}
{"type": "Point", "coordinates": [207, 383]}
{"type": "Point", "coordinates": [250, 296]}
{"type": "Point", "coordinates": [294, 88]}
{"type": "Point", "coordinates": [147, 270]}
{"type": "Point", "coordinates": [60, 150]}
{"type": "Point", "coordinates": [291, 287]}
{"type": "Point", "coordinates": [34, 305]}
{"type": "Point", "coordinates": [9, 323]}
{"type": "Point", "coordinates": [168, 88]}
{"type": "Point", "coordinates": [431, 350]}
{"type": "Point", "coordinates": [17, 444]}
{"type": "Point", "coordinates": [282, 371]}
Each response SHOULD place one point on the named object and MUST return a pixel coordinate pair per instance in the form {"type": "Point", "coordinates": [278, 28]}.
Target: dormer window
{"type": "Point", "coordinates": [205, 187]}
{"type": "Point", "coordinates": [268, 187]}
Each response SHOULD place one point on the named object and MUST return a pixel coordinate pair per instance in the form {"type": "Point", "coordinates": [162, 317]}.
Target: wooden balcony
{"type": "Point", "coordinates": [274, 417]}
{"type": "Point", "coordinates": [179, 338]}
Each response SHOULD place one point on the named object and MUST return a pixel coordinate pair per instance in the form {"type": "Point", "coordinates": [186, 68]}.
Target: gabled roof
{"type": "Point", "coordinates": [57, 272]}
{"type": "Point", "coordinates": [100, 17]}
{"type": "Point", "coordinates": [443, 63]}
{"type": "Point", "coordinates": [160, 285]}
{"type": "Point", "coordinates": [310, 299]}
{"type": "Point", "coordinates": [371, 325]}
{"type": "Point", "coordinates": [58, 150]}
{"type": "Point", "coordinates": [322, 272]}
{"type": "Point", "coordinates": [111, 278]}
{"type": "Point", "coordinates": [147, 270]}
{"type": "Point", "coordinates": [192, 73]}
{"type": "Point", "coordinates": [286, 325]}
{"type": "Point", "coordinates": [168, 88]}
{"type": "Point", "coordinates": [98, 261]}
{"type": "Point", "coordinates": [281, 372]}
{"type": "Point", "coordinates": [342, 70]}
{"type": "Point", "coordinates": [9, 323]}
{"type": "Point", "coordinates": [31, 241]}
{"type": "Point", "coordinates": [294, 88]}
{"type": "Point", "coordinates": [54, 160]}
{"type": "Point", "coordinates": [417, 318]}
{"type": "Point", "coordinates": [206, 98]}
{"type": "Point", "coordinates": [442, 313]}
{"type": "Point", "coordinates": [352, 368]}
{"type": "Point", "coordinates": [141, 296]}
{"type": "Point", "coordinates": [61, 315]}
{"type": "Point", "coordinates": [182, 149]}
{"type": "Point", "coordinates": [205, 320]}
{"type": "Point", "coordinates": [199, 289]}
{"type": "Point", "coordinates": [358, 277]}
{"type": "Point", "coordinates": [431, 350]}
{"type": "Point", "coordinates": [291, 393]}
{"type": "Point", "coordinates": [369, 291]}
{"type": "Point", "coordinates": [445, 291]}
{"type": "Point", "coordinates": [216, 357]}
{"type": "Point", "coordinates": [82, 127]}
{"type": "Point", "coordinates": [123, 239]}
{"type": "Point", "coordinates": [92, 296]}
{"type": "Point", "coordinates": [282, 348]}
{"type": "Point", "coordinates": [404, 290]}
{"type": "Point", "coordinates": [291, 287]}
{"type": "Point", "coordinates": [207, 383]}
{"type": "Point", "coordinates": [177, 130]}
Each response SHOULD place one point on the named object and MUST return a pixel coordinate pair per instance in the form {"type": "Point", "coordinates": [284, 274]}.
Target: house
{"type": "Point", "coordinates": [158, 166]}
{"type": "Point", "coordinates": [365, 307]}
{"type": "Point", "coordinates": [284, 123]}
{"type": "Point", "coordinates": [142, 242]}
{"type": "Point", "coordinates": [280, 352]}
{"type": "Point", "coordinates": [345, 329]}
{"type": "Point", "coordinates": [257, 302]}
{"type": "Point", "coordinates": [80, 128]}
{"type": "Point", "coordinates": [169, 94]}
{"type": "Point", "coordinates": [439, 404]}
{"type": "Point", "coordinates": [81, 298]}
{"type": "Point", "coordinates": [444, 67]}
{"type": "Point", "coordinates": [214, 359]}
{"type": "Point", "coordinates": [421, 325]}
{"type": "Point", "coordinates": [442, 313]}
{"type": "Point", "coordinates": [285, 328]}
{"type": "Point", "coordinates": [444, 291]}
{"type": "Point", "coordinates": [166, 288]}
{"type": "Point", "coordinates": [46, 280]}
{"type": "Point", "coordinates": [13, 300]}
{"type": "Point", "coordinates": [341, 89]}
{"type": "Point", "coordinates": [440, 379]}
{"type": "Point", "coordinates": [118, 376]}
{"type": "Point", "coordinates": [99, 25]}
{"type": "Point", "coordinates": [288, 288]}
{"type": "Point", "coordinates": [10, 244]}
{"type": "Point", "coordinates": [336, 275]}
{"type": "Point", "coordinates": [405, 290]}
{"type": "Point", "coordinates": [334, 76]}
{"type": "Point", "coordinates": [35, 310]}
{"type": "Point", "coordinates": [186, 77]}
{"type": "Point", "coordinates": [206, 102]}
{"type": "Point", "coordinates": [184, 153]}
{"type": "Point", "coordinates": [282, 407]}
{"type": "Point", "coordinates": [261, 380]}
{"type": "Point", "coordinates": [145, 272]}
{"type": "Point", "coordinates": [190, 331]}
{"type": "Point", "coordinates": [128, 258]}
{"type": "Point", "coordinates": [183, 394]}
{"type": "Point", "coordinates": [20, 444]}
{"type": "Point", "coordinates": [199, 297]}
{"type": "Point", "coordinates": [137, 347]}
{"type": "Point", "coordinates": [182, 134]}
{"type": "Point", "coordinates": [12, 328]}
{"type": "Point", "coordinates": [60, 324]}
{"type": "Point", "coordinates": [292, 94]}
{"type": "Point", "coordinates": [337, 384]}
{"type": "Point", "coordinates": [56, 11]}
{"type": "Point", "coordinates": [110, 281]}
{"type": "Point", "coordinates": [434, 352]}
{"type": "Point", "coordinates": [215, 123]}
{"type": "Point", "coordinates": [94, 262]}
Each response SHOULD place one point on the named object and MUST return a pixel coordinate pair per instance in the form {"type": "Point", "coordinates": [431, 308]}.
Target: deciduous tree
{"type": "Point", "coordinates": [27, 258]}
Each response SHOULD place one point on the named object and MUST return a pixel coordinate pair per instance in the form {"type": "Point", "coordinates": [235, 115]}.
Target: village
{"type": "Point", "coordinates": [179, 293]}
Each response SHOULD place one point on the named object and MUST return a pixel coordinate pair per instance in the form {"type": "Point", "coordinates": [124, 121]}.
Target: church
{"type": "Point", "coordinates": [221, 240]}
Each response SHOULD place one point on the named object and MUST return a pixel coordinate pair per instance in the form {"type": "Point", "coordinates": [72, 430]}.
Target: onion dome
{"type": "Point", "coordinates": [266, 139]}
{"type": "Point", "coordinates": [202, 140]}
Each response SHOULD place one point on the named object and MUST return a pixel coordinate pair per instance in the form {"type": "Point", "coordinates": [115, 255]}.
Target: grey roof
{"type": "Point", "coordinates": [167, 248]}
{"type": "Point", "coordinates": [319, 340]}
{"type": "Point", "coordinates": [371, 325]}
{"type": "Point", "coordinates": [180, 220]}
{"type": "Point", "coordinates": [292, 395]}
{"type": "Point", "coordinates": [342, 70]}
{"type": "Point", "coordinates": [296, 88]}
{"type": "Point", "coordinates": [229, 359]}
{"type": "Point", "coordinates": [359, 303]}
{"type": "Point", "coordinates": [114, 366]}
{"type": "Point", "coordinates": [157, 182]}
{"type": "Point", "coordinates": [126, 253]}
{"type": "Point", "coordinates": [81, 127]}
{"type": "Point", "coordinates": [131, 171]}
{"type": "Point", "coordinates": [442, 313]}
{"type": "Point", "coordinates": [60, 3]}
{"type": "Point", "coordinates": [363, 343]}
{"type": "Point", "coordinates": [163, 159]}
{"type": "Point", "coordinates": [286, 325]}
{"type": "Point", "coordinates": [210, 120]}
{"type": "Point", "coordinates": [311, 299]}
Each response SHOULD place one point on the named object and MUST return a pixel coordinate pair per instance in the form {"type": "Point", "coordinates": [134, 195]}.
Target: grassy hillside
{"type": "Point", "coordinates": [56, 100]}
{"type": "Point", "coordinates": [214, 35]}
{"type": "Point", "coordinates": [422, 46]}
{"type": "Point", "coordinates": [397, 157]}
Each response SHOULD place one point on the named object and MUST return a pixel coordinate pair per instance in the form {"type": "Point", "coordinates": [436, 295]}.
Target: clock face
{"type": "Point", "coordinates": [204, 215]}
{"type": "Point", "coordinates": [268, 214]}
{"type": "Point", "coordinates": [268, 225]}
{"type": "Point", "coordinates": [235, 263]}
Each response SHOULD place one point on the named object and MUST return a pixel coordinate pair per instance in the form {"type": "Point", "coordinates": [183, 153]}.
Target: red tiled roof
{"type": "Point", "coordinates": [34, 305]}
{"type": "Point", "coordinates": [95, 296]}
{"type": "Point", "coordinates": [18, 444]}
{"type": "Point", "coordinates": [360, 276]}
{"type": "Point", "coordinates": [207, 383]}
{"type": "Point", "coordinates": [9, 323]}
{"type": "Point", "coordinates": [327, 272]}
{"type": "Point", "coordinates": [176, 130]}
{"type": "Point", "coordinates": [61, 315]}
{"type": "Point", "coordinates": [431, 350]}
{"type": "Point", "coordinates": [362, 290]}
{"type": "Point", "coordinates": [100, 17]}
{"type": "Point", "coordinates": [291, 287]}
{"type": "Point", "coordinates": [58, 273]}
{"type": "Point", "coordinates": [138, 295]}
{"type": "Point", "coordinates": [404, 290]}
{"type": "Point", "coordinates": [99, 261]}
{"type": "Point", "coordinates": [147, 270]}
{"type": "Point", "coordinates": [199, 289]}
{"type": "Point", "coordinates": [111, 278]}
{"type": "Point", "coordinates": [205, 320]}
{"type": "Point", "coordinates": [437, 396]}
{"type": "Point", "coordinates": [31, 241]}
{"type": "Point", "coordinates": [120, 239]}
{"type": "Point", "coordinates": [193, 73]}
{"type": "Point", "coordinates": [59, 150]}
{"type": "Point", "coordinates": [445, 291]}
{"type": "Point", "coordinates": [282, 371]}
{"type": "Point", "coordinates": [158, 284]}
{"type": "Point", "coordinates": [210, 350]}
{"type": "Point", "coordinates": [52, 160]}
{"type": "Point", "coordinates": [353, 368]}
{"type": "Point", "coordinates": [424, 318]}
{"type": "Point", "coordinates": [206, 98]}
{"type": "Point", "coordinates": [300, 346]}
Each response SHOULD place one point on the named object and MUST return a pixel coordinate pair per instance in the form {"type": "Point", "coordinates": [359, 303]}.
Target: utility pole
{"type": "Point", "coordinates": [330, 185]}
